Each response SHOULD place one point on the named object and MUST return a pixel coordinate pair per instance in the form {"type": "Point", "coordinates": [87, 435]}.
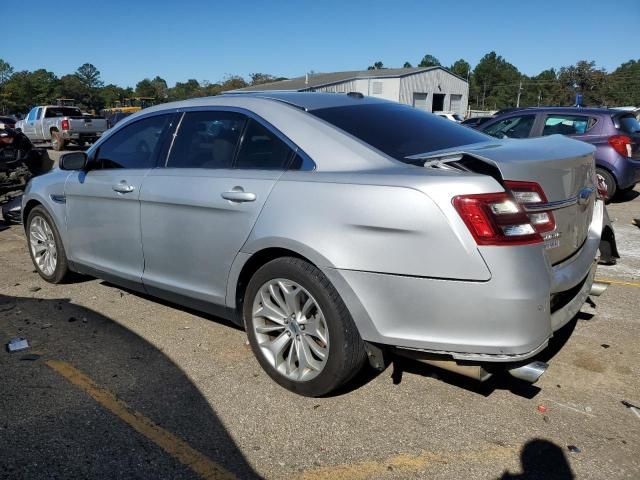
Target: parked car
{"type": "Point", "coordinates": [9, 122]}
{"type": "Point", "coordinates": [615, 134]}
{"type": "Point", "coordinates": [475, 122]}
{"type": "Point", "coordinates": [17, 159]}
{"type": "Point", "coordinates": [61, 125]}
{"type": "Point", "coordinates": [454, 117]}
{"type": "Point", "coordinates": [334, 228]}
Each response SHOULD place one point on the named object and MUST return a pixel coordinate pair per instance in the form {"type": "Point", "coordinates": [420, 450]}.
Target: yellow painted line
{"type": "Point", "coordinates": [410, 463]}
{"type": "Point", "coordinates": [618, 282]}
{"type": "Point", "coordinates": [174, 446]}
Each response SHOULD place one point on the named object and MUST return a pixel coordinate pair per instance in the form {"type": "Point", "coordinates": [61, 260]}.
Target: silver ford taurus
{"type": "Point", "coordinates": [333, 227]}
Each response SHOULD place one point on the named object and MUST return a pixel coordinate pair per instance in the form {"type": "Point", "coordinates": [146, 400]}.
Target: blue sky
{"type": "Point", "coordinates": [206, 40]}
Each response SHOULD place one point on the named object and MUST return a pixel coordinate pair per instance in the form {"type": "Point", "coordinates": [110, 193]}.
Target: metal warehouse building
{"type": "Point", "coordinates": [432, 88]}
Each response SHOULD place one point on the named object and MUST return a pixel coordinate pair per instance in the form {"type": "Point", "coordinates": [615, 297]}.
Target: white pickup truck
{"type": "Point", "coordinates": [61, 125]}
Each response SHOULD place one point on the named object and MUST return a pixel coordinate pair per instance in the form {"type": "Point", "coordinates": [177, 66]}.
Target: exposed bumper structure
{"type": "Point", "coordinates": [507, 319]}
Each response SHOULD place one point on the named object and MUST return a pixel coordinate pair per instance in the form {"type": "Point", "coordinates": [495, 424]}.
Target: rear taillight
{"type": "Point", "coordinates": [530, 195]}
{"type": "Point", "coordinates": [495, 219]}
{"type": "Point", "coordinates": [65, 124]}
{"type": "Point", "coordinates": [6, 139]}
{"type": "Point", "coordinates": [621, 144]}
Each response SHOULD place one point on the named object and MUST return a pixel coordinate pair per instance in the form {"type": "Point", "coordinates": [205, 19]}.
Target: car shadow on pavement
{"type": "Point", "coordinates": [541, 460]}
{"type": "Point", "coordinates": [625, 196]}
{"type": "Point", "coordinates": [54, 425]}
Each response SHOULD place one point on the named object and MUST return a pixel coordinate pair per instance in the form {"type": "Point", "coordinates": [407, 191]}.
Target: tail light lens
{"type": "Point", "coordinates": [530, 194]}
{"type": "Point", "coordinates": [65, 124]}
{"type": "Point", "coordinates": [495, 219]}
{"type": "Point", "coordinates": [621, 144]}
{"type": "Point", "coordinates": [6, 139]}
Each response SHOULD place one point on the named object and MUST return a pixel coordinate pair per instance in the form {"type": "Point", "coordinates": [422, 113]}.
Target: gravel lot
{"type": "Point", "coordinates": [118, 385]}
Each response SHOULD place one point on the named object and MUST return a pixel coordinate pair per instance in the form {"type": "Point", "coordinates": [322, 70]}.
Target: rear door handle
{"type": "Point", "coordinates": [238, 195]}
{"type": "Point", "coordinates": [123, 188]}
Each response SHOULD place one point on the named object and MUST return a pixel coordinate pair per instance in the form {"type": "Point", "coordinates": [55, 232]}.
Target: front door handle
{"type": "Point", "coordinates": [237, 194]}
{"type": "Point", "coordinates": [123, 188]}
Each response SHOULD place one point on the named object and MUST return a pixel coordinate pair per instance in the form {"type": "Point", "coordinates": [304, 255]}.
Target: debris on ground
{"type": "Point", "coordinates": [34, 289]}
{"type": "Point", "coordinates": [635, 409]}
{"type": "Point", "coordinates": [72, 319]}
{"type": "Point", "coordinates": [574, 449]}
{"type": "Point", "coordinates": [46, 325]}
{"type": "Point", "coordinates": [605, 345]}
{"type": "Point", "coordinates": [542, 408]}
{"type": "Point", "coordinates": [17, 344]}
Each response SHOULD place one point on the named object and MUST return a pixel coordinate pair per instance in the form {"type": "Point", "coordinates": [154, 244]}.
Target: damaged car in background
{"type": "Point", "coordinates": [334, 228]}
{"type": "Point", "coordinates": [18, 161]}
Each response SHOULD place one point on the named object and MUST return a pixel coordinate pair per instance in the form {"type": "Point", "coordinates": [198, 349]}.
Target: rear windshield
{"type": "Point", "coordinates": [63, 112]}
{"type": "Point", "coordinates": [629, 124]}
{"type": "Point", "coordinates": [398, 130]}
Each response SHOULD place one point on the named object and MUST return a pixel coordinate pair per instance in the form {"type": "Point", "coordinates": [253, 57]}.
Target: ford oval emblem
{"type": "Point", "coordinates": [584, 195]}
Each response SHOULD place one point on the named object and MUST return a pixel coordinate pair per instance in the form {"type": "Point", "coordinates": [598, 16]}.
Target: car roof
{"type": "Point", "coordinates": [576, 110]}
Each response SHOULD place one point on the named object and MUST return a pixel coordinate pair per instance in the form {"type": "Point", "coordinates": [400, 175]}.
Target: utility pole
{"type": "Point", "coordinates": [519, 92]}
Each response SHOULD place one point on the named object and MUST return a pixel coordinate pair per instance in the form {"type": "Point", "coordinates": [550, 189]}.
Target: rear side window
{"type": "Point", "coordinates": [134, 146]}
{"type": "Point", "coordinates": [206, 140]}
{"type": "Point", "coordinates": [629, 124]}
{"type": "Point", "coordinates": [512, 127]}
{"type": "Point", "coordinates": [567, 124]}
{"type": "Point", "coordinates": [398, 130]}
{"type": "Point", "coordinates": [261, 149]}
{"type": "Point", "coordinates": [53, 112]}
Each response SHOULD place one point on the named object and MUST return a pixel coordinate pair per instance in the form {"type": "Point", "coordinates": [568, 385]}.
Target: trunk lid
{"type": "Point", "coordinates": [564, 168]}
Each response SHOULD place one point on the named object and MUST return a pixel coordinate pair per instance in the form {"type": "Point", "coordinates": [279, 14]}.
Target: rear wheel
{"type": "Point", "coordinates": [300, 329]}
{"type": "Point", "coordinates": [57, 142]}
{"type": "Point", "coordinates": [610, 182]}
{"type": "Point", "coordinates": [45, 246]}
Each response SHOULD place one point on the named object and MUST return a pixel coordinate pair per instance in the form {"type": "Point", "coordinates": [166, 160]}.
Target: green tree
{"type": "Point", "coordinates": [110, 94]}
{"type": "Point", "coordinates": [495, 82]}
{"type": "Point", "coordinates": [260, 78]}
{"type": "Point", "coordinates": [160, 88]}
{"type": "Point", "coordinates": [145, 88]}
{"type": "Point", "coordinates": [70, 86]}
{"type": "Point", "coordinates": [429, 61]}
{"type": "Point", "coordinates": [6, 71]}
{"type": "Point", "coordinates": [89, 75]}
{"type": "Point", "coordinates": [232, 82]}
{"type": "Point", "coordinates": [183, 90]}
{"type": "Point", "coordinates": [407, 65]}
{"type": "Point", "coordinates": [623, 85]}
{"type": "Point", "coordinates": [584, 78]}
{"type": "Point", "coordinates": [461, 68]}
{"type": "Point", "coordinates": [376, 66]}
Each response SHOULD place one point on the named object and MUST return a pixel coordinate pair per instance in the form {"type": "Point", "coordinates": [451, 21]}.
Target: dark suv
{"type": "Point", "coordinates": [615, 134]}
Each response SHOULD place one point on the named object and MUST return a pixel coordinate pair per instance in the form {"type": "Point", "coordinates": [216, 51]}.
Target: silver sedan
{"type": "Point", "coordinates": [334, 228]}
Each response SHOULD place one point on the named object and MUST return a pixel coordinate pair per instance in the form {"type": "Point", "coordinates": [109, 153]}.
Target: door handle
{"type": "Point", "coordinates": [237, 194]}
{"type": "Point", "coordinates": [123, 188]}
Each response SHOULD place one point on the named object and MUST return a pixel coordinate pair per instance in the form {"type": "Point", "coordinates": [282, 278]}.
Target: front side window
{"type": "Point", "coordinates": [134, 146]}
{"type": "Point", "coordinates": [206, 140]}
{"type": "Point", "coordinates": [261, 149]}
{"type": "Point", "coordinates": [512, 127]}
{"type": "Point", "coordinates": [400, 131]}
{"type": "Point", "coordinates": [566, 124]}
{"type": "Point", "coordinates": [32, 115]}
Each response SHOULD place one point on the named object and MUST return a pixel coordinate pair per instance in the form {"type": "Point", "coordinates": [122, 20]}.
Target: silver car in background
{"type": "Point", "coordinates": [333, 227]}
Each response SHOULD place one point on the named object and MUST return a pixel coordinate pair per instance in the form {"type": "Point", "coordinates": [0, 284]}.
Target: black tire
{"type": "Point", "coordinates": [62, 267]}
{"type": "Point", "coordinates": [57, 142]}
{"type": "Point", "coordinates": [346, 354]}
{"type": "Point", "coordinates": [612, 187]}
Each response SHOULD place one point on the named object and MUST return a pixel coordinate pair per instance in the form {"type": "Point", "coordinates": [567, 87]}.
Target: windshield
{"type": "Point", "coordinates": [629, 124]}
{"type": "Point", "coordinates": [398, 130]}
{"type": "Point", "coordinates": [63, 112]}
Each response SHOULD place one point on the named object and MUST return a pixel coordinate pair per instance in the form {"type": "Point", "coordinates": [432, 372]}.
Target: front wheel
{"type": "Point", "coordinates": [300, 329]}
{"type": "Point", "coordinates": [45, 247]}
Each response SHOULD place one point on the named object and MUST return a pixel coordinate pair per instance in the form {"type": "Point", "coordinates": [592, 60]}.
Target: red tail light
{"type": "Point", "coordinates": [621, 144]}
{"type": "Point", "coordinates": [495, 219]}
{"type": "Point", "coordinates": [65, 124]}
{"type": "Point", "coordinates": [6, 139]}
{"type": "Point", "coordinates": [530, 194]}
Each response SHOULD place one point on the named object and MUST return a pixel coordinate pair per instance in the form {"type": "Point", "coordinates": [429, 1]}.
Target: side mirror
{"type": "Point", "coordinates": [73, 161]}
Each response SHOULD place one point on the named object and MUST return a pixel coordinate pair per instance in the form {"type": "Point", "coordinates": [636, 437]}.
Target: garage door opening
{"type": "Point", "coordinates": [438, 102]}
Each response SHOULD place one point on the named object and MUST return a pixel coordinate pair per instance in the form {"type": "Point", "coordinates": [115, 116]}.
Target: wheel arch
{"type": "Point", "coordinates": [31, 204]}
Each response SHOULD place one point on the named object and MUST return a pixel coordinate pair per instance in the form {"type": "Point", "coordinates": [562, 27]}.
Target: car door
{"type": "Point", "coordinates": [581, 127]}
{"type": "Point", "coordinates": [198, 211]}
{"type": "Point", "coordinates": [29, 124]}
{"type": "Point", "coordinates": [102, 205]}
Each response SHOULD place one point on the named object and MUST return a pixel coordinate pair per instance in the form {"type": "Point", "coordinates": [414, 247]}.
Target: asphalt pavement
{"type": "Point", "coordinates": [118, 385]}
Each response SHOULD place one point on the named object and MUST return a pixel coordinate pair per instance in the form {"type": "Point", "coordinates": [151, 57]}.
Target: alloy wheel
{"type": "Point", "coordinates": [290, 329]}
{"type": "Point", "coordinates": [43, 245]}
